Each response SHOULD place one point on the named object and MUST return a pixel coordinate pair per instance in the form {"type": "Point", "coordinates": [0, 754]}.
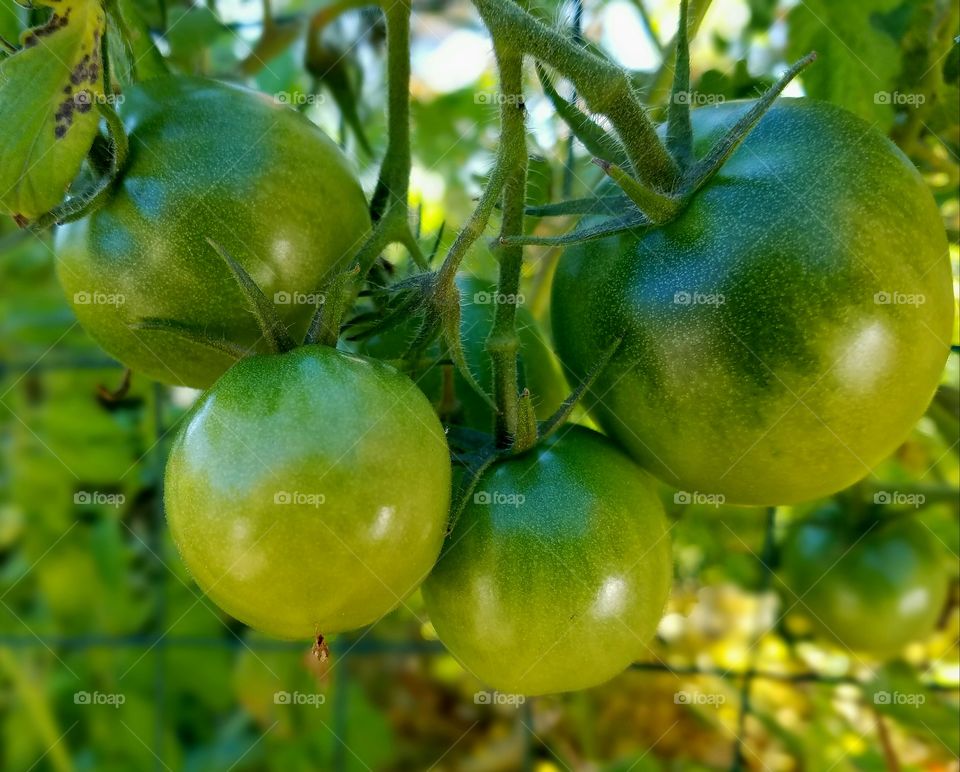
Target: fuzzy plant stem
{"type": "Point", "coordinates": [605, 87]}
{"type": "Point", "coordinates": [503, 344]}
{"type": "Point", "coordinates": [389, 207]}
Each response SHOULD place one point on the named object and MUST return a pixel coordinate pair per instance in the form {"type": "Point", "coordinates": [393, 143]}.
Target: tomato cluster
{"type": "Point", "coordinates": [770, 340]}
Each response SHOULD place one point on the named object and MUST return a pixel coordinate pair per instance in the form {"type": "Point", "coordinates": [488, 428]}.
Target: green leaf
{"type": "Point", "coordinates": [899, 694]}
{"type": "Point", "coordinates": [49, 91]}
{"type": "Point", "coordinates": [859, 60]}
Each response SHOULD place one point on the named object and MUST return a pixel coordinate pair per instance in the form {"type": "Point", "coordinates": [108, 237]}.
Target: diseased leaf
{"type": "Point", "coordinates": [48, 92]}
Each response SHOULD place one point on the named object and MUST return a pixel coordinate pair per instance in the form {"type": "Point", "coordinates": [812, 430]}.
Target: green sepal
{"type": "Point", "coordinates": [606, 204]}
{"type": "Point", "coordinates": [272, 328]}
{"type": "Point", "coordinates": [191, 333]}
{"type": "Point", "coordinates": [631, 220]}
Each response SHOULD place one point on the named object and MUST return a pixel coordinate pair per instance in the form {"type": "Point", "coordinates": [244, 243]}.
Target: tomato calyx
{"type": "Point", "coordinates": [478, 451]}
{"type": "Point", "coordinates": [434, 298]}
{"type": "Point", "coordinates": [638, 204]}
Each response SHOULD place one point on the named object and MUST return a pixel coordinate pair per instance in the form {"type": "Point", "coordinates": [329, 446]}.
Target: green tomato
{"type": "Point", "coordinates": [557, 571]}
{"type": "Point", "coordinates": [539, 369]}
{"type": "Point", "coordinates": [786, 331]}
{"type": "Point", "coordinates": [871, 588]}
{"type": "Point", "coordinates": [208, 160]}
{"type": "Point", "coordinates": [308, 492]}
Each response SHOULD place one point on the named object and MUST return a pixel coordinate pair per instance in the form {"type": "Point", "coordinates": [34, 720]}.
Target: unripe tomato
{"type": "Point", "coordinates": [556, 573]}
{"type": "Point", "coordinates": [784, 333]}
{"type": "Point", "coordinates": [871, 587]}
{"type": "Point", "coordinates": [208, 160]}
{"type": "Point", "coordinates": [308, 492]}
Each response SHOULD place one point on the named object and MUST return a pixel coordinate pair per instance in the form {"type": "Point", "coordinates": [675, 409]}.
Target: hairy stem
{"type": "Point", "coordinates": [394, 182]}
{"type": "Point", "coordinates": [473, 228]}
{"type": "Point", "coordinates": [502, 343]}
{"type": "Point", "coordinates": [604, 86]}
{"type": "Point", "coordinates": [389, 207]}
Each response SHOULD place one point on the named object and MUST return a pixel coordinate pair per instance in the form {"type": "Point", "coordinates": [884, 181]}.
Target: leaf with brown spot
{"type": "Point", "coordinates": [49, 92]}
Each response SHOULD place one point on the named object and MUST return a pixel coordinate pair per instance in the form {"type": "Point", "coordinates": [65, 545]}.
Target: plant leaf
{"type": "Point", "coordinates": [48, 92]}
{"type": "Point", "coordinates": [864, 60]}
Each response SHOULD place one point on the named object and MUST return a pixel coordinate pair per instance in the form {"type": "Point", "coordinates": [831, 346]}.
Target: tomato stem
{"type": "Point", "coordinates": [526, 435]}
{"type": "Point", "coordinates": [389, 206]}
{"type": "Point", "coordinates": [595, 139]}
{"type": "Point", "coordinates": [658, 208]}
{"type": "Point", "coordinates": [394, 181]}
{"type": "Point", "coordinates": [604, 86]}
{"type": "Point", "coordinates": [503, 344]}
{"type": "Point", "coordinates": [326, 322]}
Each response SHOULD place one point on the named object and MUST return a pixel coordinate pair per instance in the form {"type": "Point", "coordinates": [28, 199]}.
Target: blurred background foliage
{"type": "Point", "coordinates": [93, 599]}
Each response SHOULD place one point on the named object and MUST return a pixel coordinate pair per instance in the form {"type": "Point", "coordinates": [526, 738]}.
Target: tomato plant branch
{"type": "Point", "coordinates": [503, 344]}
{"type": "Point", "coordinates": [389, 206]}
{"type": "Point", "coordinates": [606, 88]}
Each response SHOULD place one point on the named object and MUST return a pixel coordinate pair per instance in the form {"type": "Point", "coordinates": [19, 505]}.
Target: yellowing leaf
{"type": "Point", "coordinates": [48, 96]}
